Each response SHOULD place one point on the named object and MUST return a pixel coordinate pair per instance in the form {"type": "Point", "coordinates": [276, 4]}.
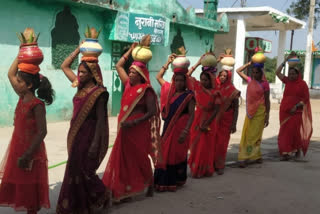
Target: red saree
{"type": "Point", "coordinates": [229, 93]}
{"type": "Point", "coordinates": [173, 170]}
{"type": "Point", "coordinates": [24, 189]}
{"type": "Point", "coordinates": [295, 130]}
{"type": "Point", "coordinates": [82, 189]}
{"type": "Point", "coordinates": [129, 170]}
{"type": "Point", "coordinates": [202, 143]}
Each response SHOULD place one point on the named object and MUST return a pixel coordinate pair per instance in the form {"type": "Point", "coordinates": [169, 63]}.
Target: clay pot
{"type": "Point", "coordinates": [228, 60]}
{"type": "Point", "coordinates": [293, 61]}
{"type": "Point", "coordinates": [209, 60]}
{"type": "Point", "coordinates": [180, 62]}
{"type": "Point", "coordinates": [91, 48]}
{"type": "Point", "coordinates": [142, 54]}
{"type": "Point", "coordinates": [259, 57]}
{"type": "Point", "coordinates": [30, 53]}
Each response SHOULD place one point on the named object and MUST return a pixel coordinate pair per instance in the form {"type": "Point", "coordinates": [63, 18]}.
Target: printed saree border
{"type": "Point", "coordinates": [82, 116]}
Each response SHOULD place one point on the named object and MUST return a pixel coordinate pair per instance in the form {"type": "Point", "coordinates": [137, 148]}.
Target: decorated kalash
{"type": "Point", "coordinates": [90, 49]}
{"type": "Point", "coordinates": [209, 62]}
{"type": "Point", "coordinates": [227, 60]}
{"type": "Point", "coordinates": [30, 56]}
{"type": "Point", "coordinates": [258, 59]}
{"type": "Point", "coordinates": [141, 56]}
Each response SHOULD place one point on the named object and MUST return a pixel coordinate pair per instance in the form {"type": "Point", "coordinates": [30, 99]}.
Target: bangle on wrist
{"type": "Point", "coordinates": [165, 67]}
{"type": "Point", "coordinates": [125, 58]}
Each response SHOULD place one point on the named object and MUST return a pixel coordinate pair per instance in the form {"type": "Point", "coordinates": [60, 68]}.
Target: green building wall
{"type": "Point", "coordinates": [16, 15]}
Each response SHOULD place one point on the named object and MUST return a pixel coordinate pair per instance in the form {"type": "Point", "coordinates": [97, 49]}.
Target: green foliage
{"type": "Point", "coordinates": [270, 67]}
{"type": "Point", "coordinates": [300, 9]}
{"type": "Point", "coordinates": [60, 52]}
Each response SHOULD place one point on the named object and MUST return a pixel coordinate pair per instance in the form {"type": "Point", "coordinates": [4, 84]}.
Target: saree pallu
{"type": "Point", "coordinates": [24, 189]}
{"type": "Point", "coordinates": [222, 139]}
{"type": "Point", "coordinates": [173, 171]}
{"type": "Point", "coordinates": [201, 156]}
{"type": "Point", "coordinates": [295, 130]}
{"type": "Point", "coordinates": [129, 170]}
{"type": "Point", "coordinates": [249, 148]}
{"type": "Point", "coordinates": [202, 143]}
{"type": "Point", "coordinates": [82, 190]}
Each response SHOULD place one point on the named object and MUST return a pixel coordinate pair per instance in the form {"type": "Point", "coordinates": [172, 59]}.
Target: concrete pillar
{"type": "Point", "coordinates": [239, 51]}
{"type": "Point", "coordinates": [281, 48]}
{"type": "Point", "coordinates": [308, 59]}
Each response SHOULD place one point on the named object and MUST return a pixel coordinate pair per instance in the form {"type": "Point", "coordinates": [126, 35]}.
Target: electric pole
{"type": "Point", "coordinates": [243, 3]}
{"type": "Point", "coordinates": [308, 59]}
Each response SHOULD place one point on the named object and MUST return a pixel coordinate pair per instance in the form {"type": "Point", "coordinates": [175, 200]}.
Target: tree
{"type": "Point", "coordinates": [300, 10]}
{"type": "Point", "coordinates": [270, 67]}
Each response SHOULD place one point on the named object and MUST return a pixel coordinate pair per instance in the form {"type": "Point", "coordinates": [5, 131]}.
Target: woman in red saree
{"type": "Point", "coordinates": [82, 191]}
{"type": "Point", "coordinates": [295, 115]}
{"type": "Point", "coordinates": [129, 170]}
{"type": "Point", "coordinates": [177, 108]}
{"type": "Point", "coordinates": [257, 117]}
{"type": "Point", "coordinates": [229, 116]}
{"type": "Point", "coordinates": [203, 129]}
{"type": "Point", "coordinates": [24, 169]}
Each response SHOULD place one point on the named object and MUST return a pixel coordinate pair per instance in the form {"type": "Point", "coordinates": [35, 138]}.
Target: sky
{"type": "Point", "coordinates": [300, 36]}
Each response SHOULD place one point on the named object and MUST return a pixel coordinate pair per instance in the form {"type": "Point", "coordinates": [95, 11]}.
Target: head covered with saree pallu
{"type": "Point", "coordinates": [168, 90]}
{"type": "Point", "coordinates": [227, 90]}
{"type": "Point", "coordinates": [295, 92]}
{"type": "Point", "coordinates": [255, 91]}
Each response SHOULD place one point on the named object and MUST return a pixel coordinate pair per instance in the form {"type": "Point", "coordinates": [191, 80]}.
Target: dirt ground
{"type": "Point", "coordinates": [272, 187]}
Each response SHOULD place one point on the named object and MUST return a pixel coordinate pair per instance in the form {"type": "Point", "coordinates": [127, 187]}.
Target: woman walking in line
{"type": "Point", "coordinates": [257, 114]}
{"type": "Point", "coordinates": [82, 190]}
{"type": "Point", "coordinates": [203, 129]}
{"type": "Point", "coordinates": [129, 170]}
{"type": "Point", "coordinates": [177, 108]}
{"type": "Point", "coordinates": [229, 116]}
{"type": "Point", "coordinates": [295, 114]}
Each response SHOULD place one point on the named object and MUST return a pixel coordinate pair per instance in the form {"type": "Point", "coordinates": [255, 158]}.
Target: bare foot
{"type": "Point", "coordinates": [259, 161]}
{"type": "Point", "coordinates": [220, 171]}
{"type": "Point", "coordinates": [298, 154]}
{"type": "Point", "coordinates": [285, 157]}
{"type": "Point", "coordinates": [150, 191]}
{"type": "Point", "coordinates": [242, 164]}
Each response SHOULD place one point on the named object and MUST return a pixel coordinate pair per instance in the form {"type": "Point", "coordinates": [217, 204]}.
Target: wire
{"type": "Point", "coordinates": [234, 3]}
{"type": "Point", "coordinates": [284, 4]}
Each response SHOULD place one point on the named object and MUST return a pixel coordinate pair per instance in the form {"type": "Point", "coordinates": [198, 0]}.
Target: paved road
{"type": "Point", "coordinates": [272, 187]}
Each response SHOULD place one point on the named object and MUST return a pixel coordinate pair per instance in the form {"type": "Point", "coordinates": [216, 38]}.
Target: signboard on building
{"type": "Point", "coordinates": [253, 42]}
{"type": "Point", "coordinates": [131, 27]}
